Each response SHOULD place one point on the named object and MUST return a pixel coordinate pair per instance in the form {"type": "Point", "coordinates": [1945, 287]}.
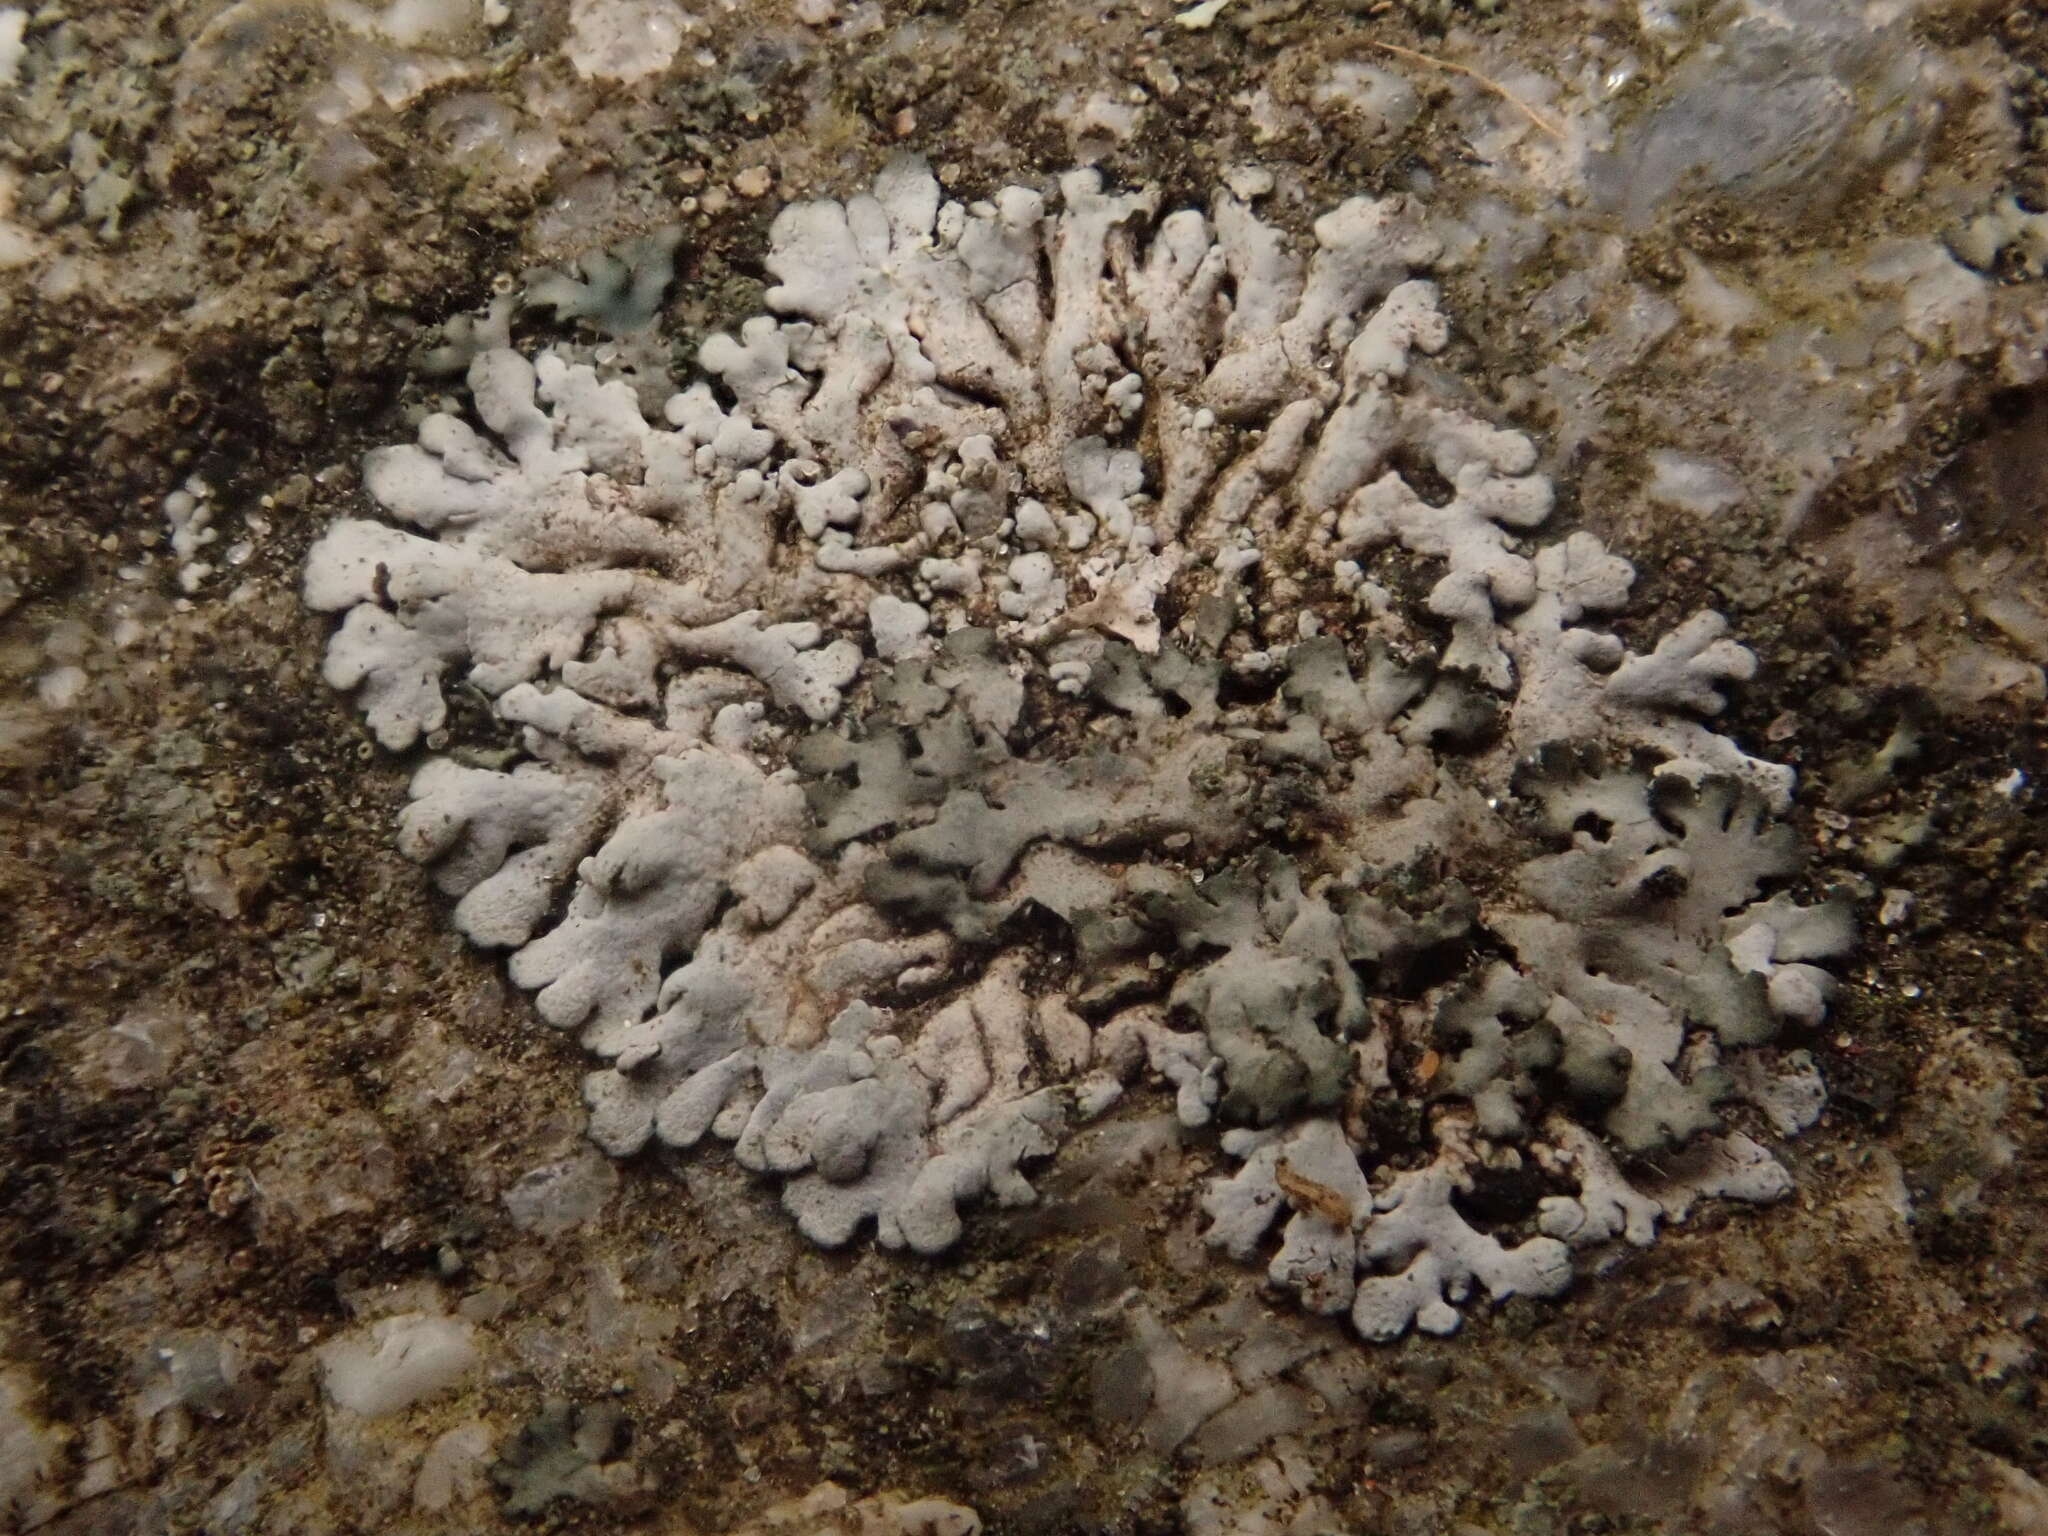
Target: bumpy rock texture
{"type": "Point", "coordinates": [1063, 647]}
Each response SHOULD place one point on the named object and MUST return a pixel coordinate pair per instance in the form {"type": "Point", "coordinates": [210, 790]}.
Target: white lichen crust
{"type": "Point", "coordinates": [1062, 647]}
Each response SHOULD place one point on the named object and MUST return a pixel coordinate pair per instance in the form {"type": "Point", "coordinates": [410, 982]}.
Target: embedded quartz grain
{"type": "Point", "coordinates": [13, 25]}
{"type": "Point", "coordinates": [625, 40]}
{"type": "Point", "coordinates": [1043, 565]}
{"type": "Point", "coordinates": [30, 1452]}
{"type": "Point", "coordinates": [396, 1362]}
{"type": "Point", "coordinates": [829, 1510]}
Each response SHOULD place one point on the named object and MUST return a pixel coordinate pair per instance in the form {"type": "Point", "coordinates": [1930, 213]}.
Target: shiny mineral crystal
{"type": "Point", "coordinates": [1064, 648]}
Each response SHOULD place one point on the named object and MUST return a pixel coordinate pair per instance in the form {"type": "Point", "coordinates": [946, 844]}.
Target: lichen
{"type": "Point", "coordinates": [998, 684]}
{"type": "Point", "coordinates": [568, 1451]}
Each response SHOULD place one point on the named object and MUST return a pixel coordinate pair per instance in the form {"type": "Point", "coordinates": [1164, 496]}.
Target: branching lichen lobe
{"type": "Point", "coordinates": [1079, 466]}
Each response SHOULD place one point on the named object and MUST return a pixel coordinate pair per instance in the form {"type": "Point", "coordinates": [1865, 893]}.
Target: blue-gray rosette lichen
{"type": "Point", "coordinates": [1061, 649]}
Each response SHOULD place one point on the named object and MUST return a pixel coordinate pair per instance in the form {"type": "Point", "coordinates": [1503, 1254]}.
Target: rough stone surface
{"type": "Point", "coordinates": [258, 1097]}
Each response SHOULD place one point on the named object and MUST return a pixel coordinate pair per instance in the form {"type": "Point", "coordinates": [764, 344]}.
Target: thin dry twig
{"type": "Point", "coordinates": [1554, 129]}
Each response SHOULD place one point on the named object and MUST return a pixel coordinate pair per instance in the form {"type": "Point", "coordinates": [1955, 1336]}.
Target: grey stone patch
{"type": "Point", "coordinates": [570, 1452]}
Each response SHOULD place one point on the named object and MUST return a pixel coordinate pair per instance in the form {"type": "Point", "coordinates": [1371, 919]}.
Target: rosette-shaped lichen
{"type": "Point", "coordinates": [1063, 648]}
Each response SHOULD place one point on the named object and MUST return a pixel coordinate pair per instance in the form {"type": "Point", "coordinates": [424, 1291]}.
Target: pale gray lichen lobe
{"type": "Point", "coordinates": [1006, 679]}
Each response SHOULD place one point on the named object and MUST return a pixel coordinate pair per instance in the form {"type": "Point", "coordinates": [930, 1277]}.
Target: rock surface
{"type": "Point", "coordinates": [259, 1100]}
